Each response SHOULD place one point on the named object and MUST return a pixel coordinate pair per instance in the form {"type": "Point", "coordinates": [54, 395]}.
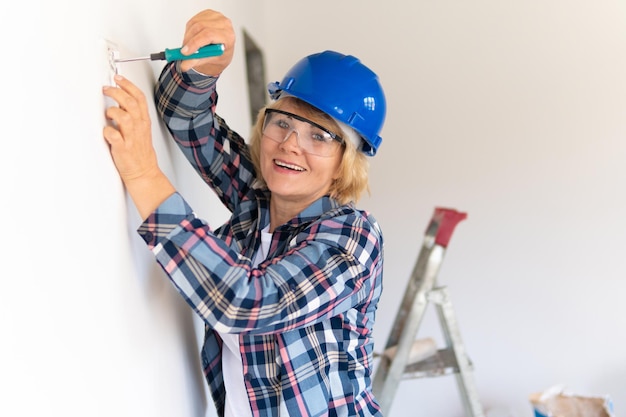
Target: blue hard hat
{"type": "Point", "coordinates": [341, 86]}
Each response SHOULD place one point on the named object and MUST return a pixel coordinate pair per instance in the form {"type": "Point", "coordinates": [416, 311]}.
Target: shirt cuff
{"type": "Point", "coordinates": [195, 78]}
{"type": "Point", "coordinates": [167, 217]}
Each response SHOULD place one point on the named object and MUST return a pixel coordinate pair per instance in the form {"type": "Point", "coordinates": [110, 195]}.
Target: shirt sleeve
{"type": "Point", "coordinates": [186, 102]}
{"type": "Point", "coordinates": [329, 268]}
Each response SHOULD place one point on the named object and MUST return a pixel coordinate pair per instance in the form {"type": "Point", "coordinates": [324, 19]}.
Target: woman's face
{"type": "Point", "coordinates": [293, 175]}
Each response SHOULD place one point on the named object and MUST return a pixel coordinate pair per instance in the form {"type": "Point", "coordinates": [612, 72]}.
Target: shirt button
{"type": "Point", "coordinates": [248, 377]}
{"type": "Point", "coordinates": [292, 287]}
{"type": "Point", "coordinates": [148, 236]}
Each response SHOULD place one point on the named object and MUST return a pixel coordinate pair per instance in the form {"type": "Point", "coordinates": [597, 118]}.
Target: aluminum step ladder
{"type": "Point", "coordinates": [407, 358]}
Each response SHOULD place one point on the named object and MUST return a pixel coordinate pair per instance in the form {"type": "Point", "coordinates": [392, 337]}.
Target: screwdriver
{"type": "Point", "coordinates": [169, 55]}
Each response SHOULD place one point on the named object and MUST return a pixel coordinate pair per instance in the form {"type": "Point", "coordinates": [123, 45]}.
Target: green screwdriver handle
{"type": "Point", "coordinates": [215, 49]}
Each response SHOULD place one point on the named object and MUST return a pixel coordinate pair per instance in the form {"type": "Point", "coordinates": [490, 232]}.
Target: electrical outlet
{"type": "Point", "coordinates": [110, 52]}
{"type": "Point", "coordinates": [112, 67]}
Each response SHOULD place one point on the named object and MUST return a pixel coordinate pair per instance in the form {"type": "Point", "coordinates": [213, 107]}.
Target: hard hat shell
{"type": "Point", "coordinates": [341, 86]}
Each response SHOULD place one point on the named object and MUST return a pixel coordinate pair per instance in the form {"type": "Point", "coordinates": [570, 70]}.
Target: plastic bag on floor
{"type": "Point", "coordinates": [555, 402]}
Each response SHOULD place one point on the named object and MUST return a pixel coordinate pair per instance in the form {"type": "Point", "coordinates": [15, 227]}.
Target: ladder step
{"type": "Point", "coordinates": [443, 362]}
{"type": "Point", "coordinates": [420, 350]}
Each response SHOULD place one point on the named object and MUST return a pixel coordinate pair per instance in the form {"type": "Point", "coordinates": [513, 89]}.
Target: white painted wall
{"type": "Point", "coordinates": [91, 325]}
{"type": "Point", "coordinates": [512, 112]}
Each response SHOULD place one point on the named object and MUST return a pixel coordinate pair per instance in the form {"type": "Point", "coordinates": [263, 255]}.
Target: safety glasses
{"type": "Point", "coordinates": [314, 139]}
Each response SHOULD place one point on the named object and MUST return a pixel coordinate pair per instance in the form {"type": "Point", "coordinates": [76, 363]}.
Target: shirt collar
{"type": "Point", "coordinates": [313, 212]}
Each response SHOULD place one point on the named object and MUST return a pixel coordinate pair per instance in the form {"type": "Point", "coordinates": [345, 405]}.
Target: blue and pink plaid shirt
{"type": "Point", "coordinates": [304, 315]}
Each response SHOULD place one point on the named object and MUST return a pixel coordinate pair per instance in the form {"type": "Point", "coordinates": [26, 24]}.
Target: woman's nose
{"type": "Point", "coordinates": [292, 140]}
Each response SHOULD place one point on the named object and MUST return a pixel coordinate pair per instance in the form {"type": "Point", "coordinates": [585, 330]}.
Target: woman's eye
{"type": "Point", "coordinates": [282, 123]}
{"type": "Point", "coordinates": [320, 137]}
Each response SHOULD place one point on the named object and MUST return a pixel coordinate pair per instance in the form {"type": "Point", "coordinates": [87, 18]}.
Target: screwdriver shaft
{"type": "Point", "coordinates": [133, 59]}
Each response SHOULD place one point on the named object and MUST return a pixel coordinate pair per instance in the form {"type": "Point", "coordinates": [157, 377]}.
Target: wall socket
{"type": "Point", "coordinates": [112, 67]}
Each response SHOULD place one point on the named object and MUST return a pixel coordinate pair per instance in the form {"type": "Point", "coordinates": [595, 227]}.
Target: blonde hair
{"type": "Point", "coordinates": [354, 166]}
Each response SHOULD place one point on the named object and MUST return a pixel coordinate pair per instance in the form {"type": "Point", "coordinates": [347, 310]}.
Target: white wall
{"type": "Point", "coordinates": [515, 113]}
{"type": "Point", "coordinates": [512, 112]}
{"type": "Point", "coordinates": [91, 325]}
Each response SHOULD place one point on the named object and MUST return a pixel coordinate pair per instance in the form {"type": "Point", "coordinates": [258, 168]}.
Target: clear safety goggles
{"type": "Point", "coordinates": [314, 139]}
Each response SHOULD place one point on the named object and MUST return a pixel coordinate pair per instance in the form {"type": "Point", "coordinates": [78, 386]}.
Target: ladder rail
{"type": "Point", "coordinates": [421, 277]}
{"type": "Point", "coordinates": [452, 335]}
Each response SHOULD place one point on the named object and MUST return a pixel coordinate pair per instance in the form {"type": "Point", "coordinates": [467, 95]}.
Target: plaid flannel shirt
{"type": "Point", "coordinates": [304, 316]}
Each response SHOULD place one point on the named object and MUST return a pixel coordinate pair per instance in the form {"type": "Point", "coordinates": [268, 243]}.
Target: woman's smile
{"type": "Point", "coordinates": [288, 166]}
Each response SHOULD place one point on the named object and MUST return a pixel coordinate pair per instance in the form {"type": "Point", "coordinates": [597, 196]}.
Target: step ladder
{"type": "Point", "coordinates": [407, 358]}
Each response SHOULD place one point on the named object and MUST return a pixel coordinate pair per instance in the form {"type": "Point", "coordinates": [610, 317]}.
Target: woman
{"type": "Point", "coordinates": [289, 286]}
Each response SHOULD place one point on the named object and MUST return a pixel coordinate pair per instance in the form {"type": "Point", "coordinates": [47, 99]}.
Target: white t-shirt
{"type": "Point", "coordinates": [237, 402]}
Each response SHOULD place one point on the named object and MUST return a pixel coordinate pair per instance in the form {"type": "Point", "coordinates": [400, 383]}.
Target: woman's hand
{"type": "Point", "coordinates": [130, 135]}
{"type": "Point", "coordinates": [206, 27]}
{"type": "Point", "coordinates": [130, 141]}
